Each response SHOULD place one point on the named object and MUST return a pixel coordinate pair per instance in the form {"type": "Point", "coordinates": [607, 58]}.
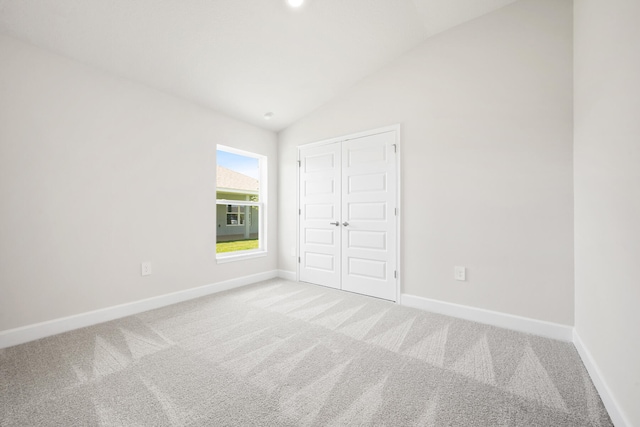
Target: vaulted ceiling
{"type": "Point", "coordinates": [243, 58]}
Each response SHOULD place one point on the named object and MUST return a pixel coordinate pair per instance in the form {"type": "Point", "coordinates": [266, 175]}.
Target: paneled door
{"type": "Point", "coordinates": [320, 173]}
{"type": "Point", "coordinates": [368, 215]}
{"type": "Point", "coordinates": [348, 215]}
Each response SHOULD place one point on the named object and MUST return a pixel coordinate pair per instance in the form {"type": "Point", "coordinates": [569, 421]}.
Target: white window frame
{"type": "Point", "coordinates": [261, 204]}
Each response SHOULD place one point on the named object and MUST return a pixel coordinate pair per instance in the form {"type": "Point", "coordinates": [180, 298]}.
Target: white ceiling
{"type": "Point", "coordinates": [241, 57]}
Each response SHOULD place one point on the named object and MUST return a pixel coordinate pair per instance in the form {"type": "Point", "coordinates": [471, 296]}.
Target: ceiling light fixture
{"type": "Point", "coordinates": [295, 3]}
{"type": "Point", "coordinates": [268, 116]}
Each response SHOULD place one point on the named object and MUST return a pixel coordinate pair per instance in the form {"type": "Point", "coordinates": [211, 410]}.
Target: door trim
{"type": "Point", "coordinates": [392, 128]}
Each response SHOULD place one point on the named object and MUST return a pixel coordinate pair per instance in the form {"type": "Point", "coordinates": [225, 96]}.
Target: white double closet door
{"type": "Point", "coordinates": [348, 215]}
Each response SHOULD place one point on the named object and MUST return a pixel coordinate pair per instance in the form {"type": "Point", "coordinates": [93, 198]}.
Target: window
{"type": "Point", "coordinates": [241, 183]}
{"type": "Point", "coordinates": [235, 215]}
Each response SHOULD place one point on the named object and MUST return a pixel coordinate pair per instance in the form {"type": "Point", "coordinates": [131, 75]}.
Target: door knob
{"type": "Point", "coordinates": [335, 223]}
{"type": "Point", "coordinates": [345, 223]}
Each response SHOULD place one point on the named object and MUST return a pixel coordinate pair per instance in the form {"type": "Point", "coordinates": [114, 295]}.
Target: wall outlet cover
{"type": "Point", "coordinates": [460, 273]}
{"type": "Point", "coordinates": [145, 268]}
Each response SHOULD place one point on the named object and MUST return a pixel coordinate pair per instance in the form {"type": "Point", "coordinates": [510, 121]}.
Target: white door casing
{"type": "Point", "coordinates": [352, 182]}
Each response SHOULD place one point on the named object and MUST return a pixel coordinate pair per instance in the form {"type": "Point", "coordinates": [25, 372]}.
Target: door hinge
{"type": "Point", "coordinates": [395, 148]}
{"type": "Point", "coordinates": [395, 274]}
{"type": "Point", "coordinates": [299, 211]}
{"type": "Point", "coordinates": [298, 260]}
{"type": "Point", "coordinates": [299, 163]}
{"type": "Point", "coordinates": [395, 211]}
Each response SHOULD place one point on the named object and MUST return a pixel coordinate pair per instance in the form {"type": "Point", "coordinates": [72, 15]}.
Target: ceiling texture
{"type": "Point", "coordinates": [243, 58]}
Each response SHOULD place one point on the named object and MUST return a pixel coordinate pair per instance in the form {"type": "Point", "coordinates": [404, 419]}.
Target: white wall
{"type": "Point", "coordinates": [98, 174]}
{"type": "Point", "coordinates": [486, 115]}
{"type": "Point", "coordinates": [607, 193]}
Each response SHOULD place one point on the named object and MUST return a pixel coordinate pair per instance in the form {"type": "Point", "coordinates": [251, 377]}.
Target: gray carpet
{"type": "Point", "coordinates": [287, 354]}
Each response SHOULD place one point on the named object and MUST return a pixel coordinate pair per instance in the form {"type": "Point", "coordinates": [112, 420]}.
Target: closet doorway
{"type": "Point", "coordinates": [349, 213]}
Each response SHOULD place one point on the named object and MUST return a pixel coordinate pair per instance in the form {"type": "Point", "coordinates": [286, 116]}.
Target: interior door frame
{"type": "Point", "coordinates": [392, 128]}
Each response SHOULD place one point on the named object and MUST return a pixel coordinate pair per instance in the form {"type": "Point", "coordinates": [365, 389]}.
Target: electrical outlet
{"type": "Point", "coordinates": [460, 273]}
{"type": "Point", "coordinates": [145, 268]}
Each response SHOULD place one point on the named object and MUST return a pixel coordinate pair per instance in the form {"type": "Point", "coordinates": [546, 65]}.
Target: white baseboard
{"type": "Point", "coordinates": [610, 403]}
{"type": "Point", "coordinates": [288, 275]}
{"type": "Point", "coordinates": [36, 331]}
{"type": "Point", "coordinates": [495, 318]}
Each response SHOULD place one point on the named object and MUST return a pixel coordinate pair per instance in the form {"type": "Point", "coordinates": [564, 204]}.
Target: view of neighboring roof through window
{"type": "Point", "coordinates": [240, 203]}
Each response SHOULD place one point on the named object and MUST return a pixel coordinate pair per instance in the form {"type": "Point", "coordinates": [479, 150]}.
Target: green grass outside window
{"type": "Point", "coordinates": [236, 245]}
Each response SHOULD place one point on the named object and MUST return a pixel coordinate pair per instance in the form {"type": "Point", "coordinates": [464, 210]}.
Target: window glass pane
{"type": "Point", "coordinates": [238, 229]}
{"type": "Point", "coordinates": [238, 177]}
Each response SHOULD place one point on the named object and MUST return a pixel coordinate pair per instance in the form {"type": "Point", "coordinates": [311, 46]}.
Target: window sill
{"type": "Point", "coordinates": [239, 256]}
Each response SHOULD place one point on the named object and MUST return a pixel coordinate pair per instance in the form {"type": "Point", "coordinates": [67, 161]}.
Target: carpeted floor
{"type": "Point", "coordinates": [287, 354]}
